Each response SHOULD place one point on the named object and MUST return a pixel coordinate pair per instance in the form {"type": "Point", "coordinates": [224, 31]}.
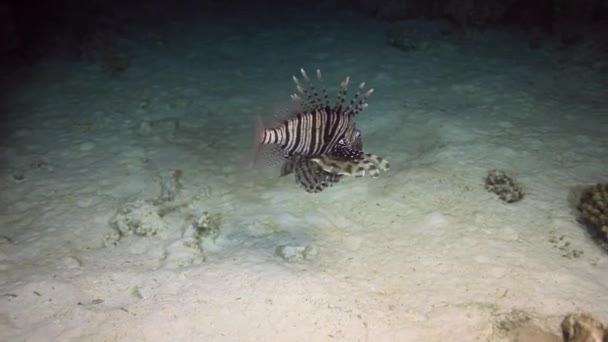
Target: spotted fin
{"type": "Point", "coordinates": [312, 178]}
{"type": "Point", "coordinates": [345, 153]}
{"type": "Point", "coordinates": [288, 167]}
{"type": "Point", "coordinates": [368, 163]}
{"type": "Point", "coordinates": [309, 175]}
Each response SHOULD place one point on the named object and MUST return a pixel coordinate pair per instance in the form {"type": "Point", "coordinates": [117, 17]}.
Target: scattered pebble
{"type": "Point", "coordinates": [71, 262]}
{"type": "Point", "coordinates": [436, 219]}
{"type": "Point", "coordinates": [18, 176]}
{"type": "Point", "coordinates": [295, 253]}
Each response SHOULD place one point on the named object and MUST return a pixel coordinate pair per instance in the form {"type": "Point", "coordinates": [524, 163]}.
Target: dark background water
{"type": "Point", "coordinates": [30, 29]}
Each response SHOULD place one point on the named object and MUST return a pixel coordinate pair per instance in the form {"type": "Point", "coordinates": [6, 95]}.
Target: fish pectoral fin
{"type": "Point", "coordinates": [331, 165]}
{"type": "Point", "coordinates": [375, 164]}
{"type": "Point", "coordinates": [369, 164]}
{"type": "Point", "coordinates": [339, 166]}
{"type": "Point", "coordinates": [287, 168]}
{"type": "Point", "coordinates": [312, 178]}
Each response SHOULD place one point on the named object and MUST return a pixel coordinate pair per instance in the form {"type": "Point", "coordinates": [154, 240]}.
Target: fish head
{"type": "Point", "coordinates": [352, 139]}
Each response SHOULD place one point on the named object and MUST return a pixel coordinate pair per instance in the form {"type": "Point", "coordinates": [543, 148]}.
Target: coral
{"type": "Point", "coordinates": [593, 211]}
{"type": "Point", "coordinates": [141, 218]}
{"type": "Point", "coordinates": [503, 186]}
{"type": "Point", "coordinates": [190, 249]}
{"type": "Point", "coordinates": [148, 218]}
{"type": "Point", "coordinates": [583, 328]}
{"type": "Point", "coordinates": [170, 185]}
{"type": "Point", "coordinates": [207, 226]}
{"type": "Point", "coordinates": [295, 253]}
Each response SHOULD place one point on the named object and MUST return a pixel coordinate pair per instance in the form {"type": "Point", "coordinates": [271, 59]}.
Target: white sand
{"type": "Point", "coordinates": [422, 253]}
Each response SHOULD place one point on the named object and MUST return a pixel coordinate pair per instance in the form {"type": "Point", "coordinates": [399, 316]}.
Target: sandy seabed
{"type": "Point", "coordinates": [220, 252]}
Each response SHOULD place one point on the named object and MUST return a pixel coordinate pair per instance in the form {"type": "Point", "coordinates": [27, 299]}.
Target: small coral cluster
{"type": "Point", "coordinates": [206, 226]}
{"type": "Point", "coordinates": [148, 218]}
{"type": "Point", "coordinates": [503, 186]}
{"type": "Point", "coordinates": [593, 211]}
{"type": "Point", "coordinates": [583, 328]}
{"type": "Point", "coordinates": [295, 253]}
{"type": "Point", "coordinates": [183, 234]}
{"type": "Point", "coordinates": [140, 217]}
{"type": "Point", "coordinates": [170, 185]}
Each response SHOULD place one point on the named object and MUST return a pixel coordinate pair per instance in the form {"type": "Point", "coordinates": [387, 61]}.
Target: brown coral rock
{"type": "Point", "coordinates": [593, 209]}
{"type": "Point", "coordinates": [503, 186]}
{"type": "Point", "coordinates": [583, 328]}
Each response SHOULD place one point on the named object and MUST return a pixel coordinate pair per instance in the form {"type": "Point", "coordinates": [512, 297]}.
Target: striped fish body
{"type": "Point", "coordinates": [311, 133]}
{"type": "Point", "coordinates": [310, 176]}
{"type": "Point", "coordinates": [317, 127]}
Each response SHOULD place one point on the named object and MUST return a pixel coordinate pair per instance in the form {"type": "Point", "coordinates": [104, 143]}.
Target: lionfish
{"type": "Point", "coordinates": [319, 142]}
{"type": "Point", "coordinates": [310, 175]}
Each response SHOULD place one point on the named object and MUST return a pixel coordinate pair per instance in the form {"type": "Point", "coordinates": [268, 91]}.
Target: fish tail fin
{"type": "Point", "coordinates": [257, 142]}
{"type": "Point", "coordinates": [262, 154]}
